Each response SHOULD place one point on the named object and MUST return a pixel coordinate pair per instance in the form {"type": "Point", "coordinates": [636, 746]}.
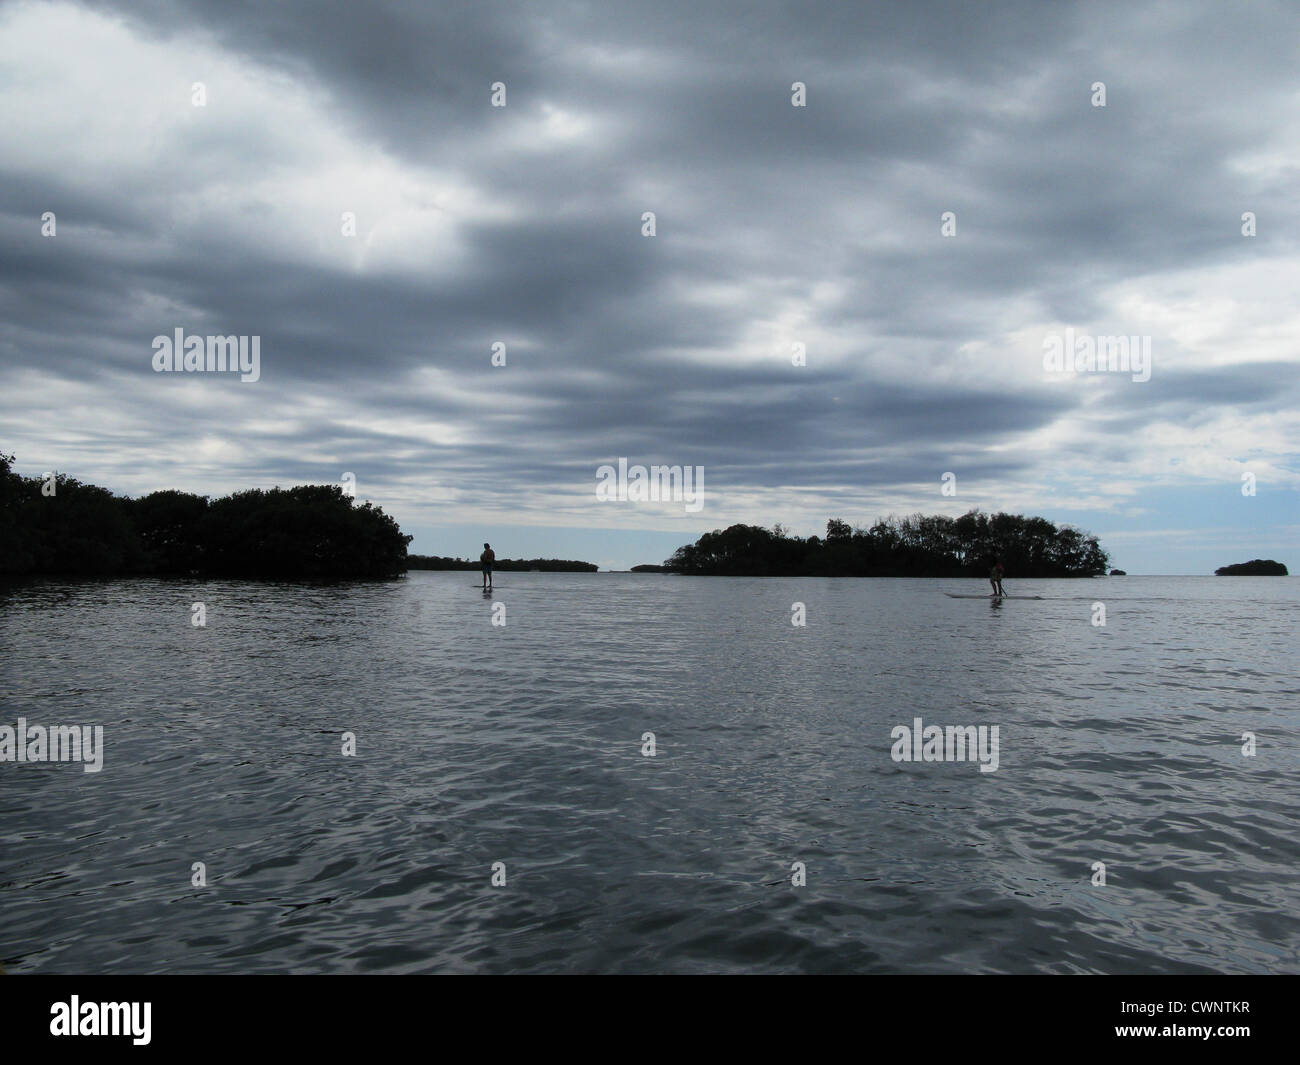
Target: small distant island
{"type": "Point", "coordinates": [1118, 573]}
{"type": "Point", "coordinates": [1256, 567]}
{"type": "Point", "coordinates": [916, 546]}
{"type": "Point", "coordinates": [516, 565]}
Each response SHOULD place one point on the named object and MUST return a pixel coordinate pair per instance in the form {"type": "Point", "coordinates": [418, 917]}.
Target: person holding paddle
{"type": "Point", "coordinates": [995, 577]}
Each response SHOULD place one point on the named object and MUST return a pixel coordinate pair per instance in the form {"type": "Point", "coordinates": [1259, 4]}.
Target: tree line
{"type": "Point", "coordinates": [1256, 567]}
{"type": "Point", "coordinates": [59, 525]}
{"type": "Point", "coordinates": [917, 546]}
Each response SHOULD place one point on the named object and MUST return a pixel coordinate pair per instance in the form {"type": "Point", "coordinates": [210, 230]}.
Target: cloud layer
{"type": "Point", "coordinates": [776, 226]}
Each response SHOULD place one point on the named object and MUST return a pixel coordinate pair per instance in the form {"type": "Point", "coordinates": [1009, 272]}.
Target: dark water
{"type": "Point", "coordinates": [522, 744]}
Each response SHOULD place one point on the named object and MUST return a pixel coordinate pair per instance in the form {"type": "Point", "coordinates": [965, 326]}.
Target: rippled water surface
{"type": "Point", "coordinates": [522, 744]}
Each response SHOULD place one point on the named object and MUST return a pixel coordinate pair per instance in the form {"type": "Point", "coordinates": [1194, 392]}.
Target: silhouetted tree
{"type": "Point", "coordinates": [311, 531]}
{"type": "Point", "coordinates": [915, 546]}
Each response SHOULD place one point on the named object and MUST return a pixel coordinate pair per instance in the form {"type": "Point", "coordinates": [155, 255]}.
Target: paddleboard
{"type": "Point", "coordinates": [955, 595]}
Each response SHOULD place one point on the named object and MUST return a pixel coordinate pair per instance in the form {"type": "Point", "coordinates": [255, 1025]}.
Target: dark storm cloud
{"type": "Point", "coordinates": [1251, 386]}
{"type": "Point", "coordinates": [774, 224]}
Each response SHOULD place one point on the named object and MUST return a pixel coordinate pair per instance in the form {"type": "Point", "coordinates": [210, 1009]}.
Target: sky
{"type": "Point", "coordinates": [845, 297]}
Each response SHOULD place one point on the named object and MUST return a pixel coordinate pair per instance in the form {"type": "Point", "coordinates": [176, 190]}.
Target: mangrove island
{"type": "Point", "coordinates": [916, 546]}
{"type": "Point", "coordinates": [1256, 567]}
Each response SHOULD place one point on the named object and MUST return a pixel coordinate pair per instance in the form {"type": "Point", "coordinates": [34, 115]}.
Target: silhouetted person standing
{"type": "Point", "coordinates": [487, 558]}
{"type": "Point", "coordinates": [995, 577]}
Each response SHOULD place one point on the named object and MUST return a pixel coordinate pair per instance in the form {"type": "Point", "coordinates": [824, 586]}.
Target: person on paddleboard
{"type": "Point", "coordinates": [487, 558]}
{"type": "Point", "coordinates": [995, 577]}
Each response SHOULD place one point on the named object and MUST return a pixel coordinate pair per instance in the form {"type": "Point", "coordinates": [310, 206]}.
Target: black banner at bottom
{"type": "Point", "coordinates": [144, 1014]}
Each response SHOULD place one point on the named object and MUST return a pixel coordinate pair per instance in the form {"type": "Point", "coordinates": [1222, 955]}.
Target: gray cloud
{"type": "Point", "coordinates": [776, 224]}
